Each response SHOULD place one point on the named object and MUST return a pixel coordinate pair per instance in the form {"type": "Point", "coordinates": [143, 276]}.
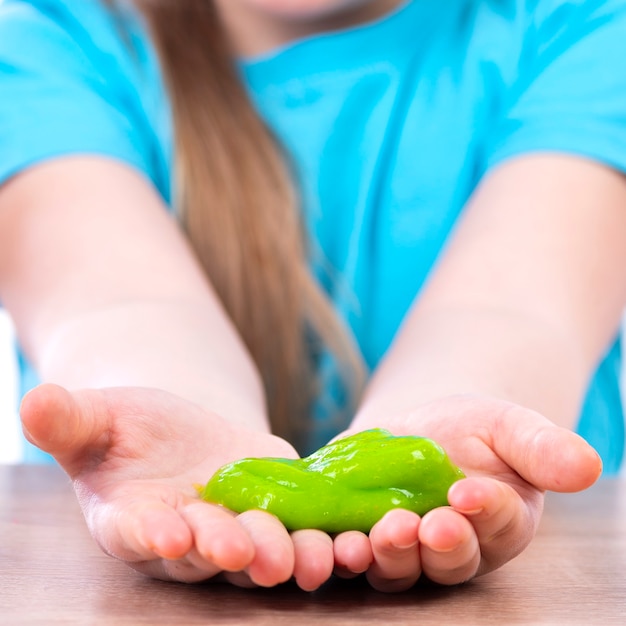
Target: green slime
{"type": "Point", "coordinates": [346, 485]}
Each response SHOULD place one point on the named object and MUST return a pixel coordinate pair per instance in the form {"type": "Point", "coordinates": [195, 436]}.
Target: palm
{"type": "Point", "coordinates": [134, 456]}
{"type": "Point", "coordinates": [511, 455]}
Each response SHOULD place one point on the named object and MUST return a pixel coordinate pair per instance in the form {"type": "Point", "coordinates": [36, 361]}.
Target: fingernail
{"type": "Point", "coordinates": [405, 546]}
{"type": "Point", "coordinates": [28, 436]}
{"type": "Point", "coordinates": [471, 512]}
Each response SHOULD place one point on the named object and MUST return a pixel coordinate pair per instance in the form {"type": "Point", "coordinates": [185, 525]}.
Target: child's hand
{"type": "Point", "coordinates": [511, 455]}
{"type": "Point", "coordinates": [134, 455]}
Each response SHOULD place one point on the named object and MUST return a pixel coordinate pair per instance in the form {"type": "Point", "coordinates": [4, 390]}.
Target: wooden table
{"type": "Point", "coordinates": [51, 572]}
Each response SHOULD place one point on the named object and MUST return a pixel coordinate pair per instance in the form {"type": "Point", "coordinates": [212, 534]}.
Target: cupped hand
{"type": "Point", "coordinates": [510, 455]}
{"type": "Point", "coordinates": [134, 456]}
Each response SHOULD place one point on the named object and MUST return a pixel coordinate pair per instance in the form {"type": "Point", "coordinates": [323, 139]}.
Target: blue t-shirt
{"type": "Point", "coordinates": [390, 127]}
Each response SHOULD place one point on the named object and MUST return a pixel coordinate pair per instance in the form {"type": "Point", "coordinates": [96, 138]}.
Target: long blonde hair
{"type": "Point", "coordinates": [236, 198]}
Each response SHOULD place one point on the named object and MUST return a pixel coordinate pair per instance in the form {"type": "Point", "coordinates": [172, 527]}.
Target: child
{"type": "Point", "coordinates": [420, 209]}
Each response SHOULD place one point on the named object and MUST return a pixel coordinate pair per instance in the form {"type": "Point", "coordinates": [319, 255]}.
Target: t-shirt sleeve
{"type": "Point", "coordinates": [570, 94]}
{"type": "Point", "coordinates": [61, 94]}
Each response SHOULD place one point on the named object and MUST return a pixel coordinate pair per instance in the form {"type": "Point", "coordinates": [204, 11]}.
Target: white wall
{"type": "Point", "coordinates": [10, 440]}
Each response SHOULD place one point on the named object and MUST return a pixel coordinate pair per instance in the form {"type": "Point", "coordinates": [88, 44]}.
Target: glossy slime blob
{"type": "Point", "coordinates": [347, 485]}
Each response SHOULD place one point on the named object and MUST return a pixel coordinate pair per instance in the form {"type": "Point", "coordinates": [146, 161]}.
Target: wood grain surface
{"type": "Point", "coordinates": [51, 572]}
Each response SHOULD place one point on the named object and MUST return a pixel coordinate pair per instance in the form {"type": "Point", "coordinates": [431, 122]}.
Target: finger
{"type": "Point", "coordinates": [449, 548]}
{"type": "Point", "coordinates": [314, 559]}
{"type": "Point", "coordinates": [274, 558]}
{"type": "Point", "coordinates": [220, 541]}
{"type": "Point", "coordinates": [64, 424]}
{"type": "Point", "coordinates": [503, 521]}
{"type": "Point", "coordinates": [353, 553]}
{"type": "Point", "coordinates": [239, 579]}
{"type": "Point", "coordinates": [545, 455]}
{"type": "Point", "coordinates": [395, 548]}
{"type": "Point", "coordinates": [139, 530]}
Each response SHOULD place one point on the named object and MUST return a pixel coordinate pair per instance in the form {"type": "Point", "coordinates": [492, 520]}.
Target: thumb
{"type": "Point", "coordinates": [548, 456]}
{"type": "Point", "coordinates": [69, 426]}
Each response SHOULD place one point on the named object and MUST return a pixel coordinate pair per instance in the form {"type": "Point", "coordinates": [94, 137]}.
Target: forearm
{"type": "Point", "coordinates": [186, 348]}
{"type": "Point", "coordinates": [497, 353]}
{"type": "Point", "coordinates": [105, 290]}
{"type": "Point", "coordinates": [524, 300]}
